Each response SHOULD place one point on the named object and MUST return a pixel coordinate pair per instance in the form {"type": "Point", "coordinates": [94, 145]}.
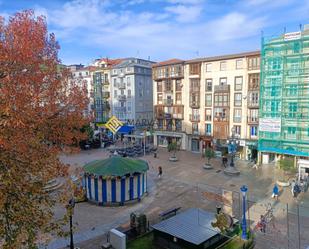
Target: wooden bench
{"type": "Point", "coordinates": [169, 212]}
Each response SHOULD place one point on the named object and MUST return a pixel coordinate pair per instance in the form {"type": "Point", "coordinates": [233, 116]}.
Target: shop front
{"type": "Point", "coordinates": [162, 139]}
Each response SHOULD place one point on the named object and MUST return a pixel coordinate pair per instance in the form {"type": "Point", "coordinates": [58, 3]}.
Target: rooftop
{"type": "Point", "coordinates": [225, 57]}
{"type": "Point", "coordinates": [192, 225]}
{"type": "Point", "coordinates": [116, 166]}
{"type": "Point", "coordinates": [168, 62]}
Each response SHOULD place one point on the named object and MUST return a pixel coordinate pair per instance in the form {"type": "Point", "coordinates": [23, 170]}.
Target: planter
{"type": "Point", "coordinates": [173, 159]}
{"type": "Point", "coordinates": [283, 183]}
{"type": "Point", "coordinates": [207, 166]}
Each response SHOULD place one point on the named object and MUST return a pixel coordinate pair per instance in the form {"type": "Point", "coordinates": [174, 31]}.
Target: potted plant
{"type": "Point", "coordinates": [209, 154]}
{"type": "Point", "coordinates": [287, 166]}
{"type": "Point", "coordinates": [173, 147]}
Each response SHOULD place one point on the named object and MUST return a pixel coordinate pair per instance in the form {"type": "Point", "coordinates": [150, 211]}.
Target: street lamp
{"type": "Point", "coordinates": [70, 208]}
{"type": "Point", "coordinates": [232, 143]}
{"type": "Point", "coordinates": [244, 190]}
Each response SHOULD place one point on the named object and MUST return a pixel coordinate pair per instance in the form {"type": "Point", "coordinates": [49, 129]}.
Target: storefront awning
{"type": "Point", "coordinates": [125, 129]}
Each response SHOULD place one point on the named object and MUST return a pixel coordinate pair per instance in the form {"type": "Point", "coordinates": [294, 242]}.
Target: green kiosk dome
{"type": "Point", "coordinates": [115, 180]}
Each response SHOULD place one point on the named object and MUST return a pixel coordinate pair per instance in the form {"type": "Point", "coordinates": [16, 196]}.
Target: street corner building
{"type": "Point", "coordinates": [115, 180]}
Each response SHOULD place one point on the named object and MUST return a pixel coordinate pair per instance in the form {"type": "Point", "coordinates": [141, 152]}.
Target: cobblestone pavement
{"type": "Point", "coordinates": [177, 187]}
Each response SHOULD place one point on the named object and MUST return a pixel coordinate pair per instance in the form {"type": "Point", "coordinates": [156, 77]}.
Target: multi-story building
{"type": "Point", "coordinates": [102, 89]}
{"type": "Point", "coordinates": [131, 90]}
{"type": "Point", "coordinates": [168, 77]}
{"type": "Point", "coordinates": [284, 117]}
{"type": "Point", "coordinates": [217, 93]}
{"type": "Point", "coordinates": [82, 76]}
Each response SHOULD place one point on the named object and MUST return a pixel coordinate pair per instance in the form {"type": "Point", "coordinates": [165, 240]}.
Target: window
{"type": "Point", "coordinates": [239, 64]}
{"type": "Point", "coordinates": [194, 68]}
{"type": "Point", "coordinates": [129, 108]}
{"type": "Point", "coordinates": [221, 114]}
{"type": "Point", "coordinates": [80, 74]}
{"type": "Point", "coordinates": [223, 66]}
{"type": "Point", "coordinates": [208, 67]}
{"type": "Point", "coordinates": [115, 82]}
{"type": "Point", "coordinates": [159, 86]}
{"type": "Point", "coordinates": [208, 129]}
{"type": "Point", "coordinates": [237, 115]}
{"type": "Point", "coordinates": [223, 81]}
{"type": "Point", "coordinates": [178, 98]}
{"type": "Point", "coordinates": [194, 128]}
{"type": "Point", "coordinates": [129, 93]}
{"type": "Point", "coordinates": [141, 92]}
{"type": "Point", "coordinates": [238, 83]}
{"type": "Point", "coordinates": [168, 85]}
{"type": "Point", "coordinates": [292, 110]}
{"type": "Point", "coordinates": [253, 131]}
{"type": "Point", "coordinates": [254, 63]}
{"type": "Point", "coordinates": [160, 98]}
{"type": "Point", "coordinates": [114, 71]}
{"type": "Point", "coordinates": [208, 100]}
{"type": "Point", "coordinates": [253, 99]}
{"type": "Point", "coordinates": [195, 85]}
{"type": "Point", "coordinates": [115, 93]}
{"type": "Point", "coordinates": [237, 129]}
{"type": "Point", "coordinates": [254, 80]}
{"type": "Point", "coordinates": [237, 99]}
{"type": "Point", "coordinates": [291, 130]}
{"type": "Point", "coordinates": [208, 115]}
{"type": "Point", "coordinates": [128, 81]}
{"type": "Point", "coordinates": [253, 115]}
{"type": "Point", "coordinates": [208, 85]}
{"type": "Point", "coordinates": [86, 73]}
{"type": "Point", "coordinates": [221, 99]}
{"type": "Point", "coordinates": [178, 85]}
{"type": "Point", "coordinates": [121, 92]}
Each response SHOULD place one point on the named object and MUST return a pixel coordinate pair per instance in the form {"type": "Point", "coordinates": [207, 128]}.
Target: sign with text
{"type": "Point", "coordinates": [270, 124]}
{"type": "Point", "coordinates": [292, 36]}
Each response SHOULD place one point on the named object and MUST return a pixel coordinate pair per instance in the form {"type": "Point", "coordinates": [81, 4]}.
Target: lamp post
{"type": "Point", "coordinates": [232, 143]}
{"type": "Point", "coordinates": [70, 208]}
{"type": "Point", "coordinates": [244, 190]}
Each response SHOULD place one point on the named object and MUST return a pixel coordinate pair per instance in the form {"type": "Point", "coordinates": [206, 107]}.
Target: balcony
{"type": "Point", "coordinates": [222, 88]}
{"type": "Point", "coordinates": [106, 83]}
{"type": "Point", "coordinates": [194, 117]}
{"type": "Point", "coordinates": [221, 119]}
{"type": "Point", "coordinates": [121, 85]}
{"type": "Point", "coordinates": [177, 115]}
{"type": "Point", "coordinates": [119, 109]}
{"type": "Point", "coordinates": [252, 104]}
{"type": "Point", "coordinates": [195, 89]}
{"type": "Point", "coordinates": [121, 75]}
{"type": "Point", "coordinates": [121, 97]}
{"type": "Point", "coordinates": [253, 120]}
{"type": "Point", "coordinates": [195, 104]}
{"type": "Point", "coordinates": [168, 102]}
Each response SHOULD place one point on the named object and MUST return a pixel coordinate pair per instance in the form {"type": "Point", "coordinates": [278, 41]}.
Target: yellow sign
{"type": "Point", "coordinates": [113, 124]}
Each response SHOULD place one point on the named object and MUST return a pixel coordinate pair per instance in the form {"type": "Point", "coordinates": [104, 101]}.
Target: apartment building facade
{"type": "Point", "coordinates": [131, 90]}
{"type": "Point", "coordinates": [217, 93]}
{"type": "Point", "coordinates": [168, 99]}
{"type": "Point", "coordinates": [284, 115]}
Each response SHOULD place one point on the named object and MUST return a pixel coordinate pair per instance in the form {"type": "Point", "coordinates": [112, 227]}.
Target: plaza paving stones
{"type": "Point", "coordinates": [177, 187]}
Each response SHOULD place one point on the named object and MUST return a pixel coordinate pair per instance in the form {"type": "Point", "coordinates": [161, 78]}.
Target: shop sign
{"type": "Point", "coordinates": [270, 124]}
{"type": "Point", "coordinates": [242, 142]}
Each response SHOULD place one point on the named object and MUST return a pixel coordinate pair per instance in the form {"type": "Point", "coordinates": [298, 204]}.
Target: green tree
{"type": "Point", "coordinates": [209, 154]}
{"type": "Point", "coordinates": [287, 165]}
{"type": "Point", "coordinates": [173, 147]}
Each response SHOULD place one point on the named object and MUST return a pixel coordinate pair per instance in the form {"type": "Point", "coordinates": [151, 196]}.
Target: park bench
{"type": "Point", "coordinates": [169, 212]}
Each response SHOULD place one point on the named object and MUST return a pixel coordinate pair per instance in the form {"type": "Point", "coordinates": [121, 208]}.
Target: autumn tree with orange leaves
{"type": "Point", "coordinates": [40, 116]}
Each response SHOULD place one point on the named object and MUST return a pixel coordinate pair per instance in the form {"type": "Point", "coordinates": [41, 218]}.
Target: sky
{"type": "Point", "coordinates": [161, 29]}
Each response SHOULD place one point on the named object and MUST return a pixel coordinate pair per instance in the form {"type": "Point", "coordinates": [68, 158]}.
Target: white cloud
{"type": "Point", "coordinates": [185, 13]}
{"type": "Point", "coordinates": [186, 1]}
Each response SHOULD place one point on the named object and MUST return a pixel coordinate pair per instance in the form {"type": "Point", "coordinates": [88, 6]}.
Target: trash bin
{"type": "Point", "coordinates": [155, 154]}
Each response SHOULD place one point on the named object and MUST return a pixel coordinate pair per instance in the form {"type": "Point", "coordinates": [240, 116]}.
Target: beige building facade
{"type": "Point", "coordinates": [209, 97]}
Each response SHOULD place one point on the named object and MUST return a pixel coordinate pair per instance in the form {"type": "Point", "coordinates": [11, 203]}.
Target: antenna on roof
{"type": "Point", "coordinates": [284, 30]}
{"type": "Point", "coordinates": [300, 26]}
{"type": "Point", "coordinates": [148, 57]}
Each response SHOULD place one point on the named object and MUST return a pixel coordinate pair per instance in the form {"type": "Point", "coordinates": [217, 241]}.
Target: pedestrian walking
{"type": "Point", "coordinates": [293, 188]}
{"type": "Point", "coordinates": [160, 171]}
{"type": "Point", "coordinates": [275, 192]}
{"type": "Point", "coordinates": [262, 224]}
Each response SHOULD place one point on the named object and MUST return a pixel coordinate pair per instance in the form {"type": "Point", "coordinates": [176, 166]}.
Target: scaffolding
{"type": "Point", "coordinates": [284, 94]}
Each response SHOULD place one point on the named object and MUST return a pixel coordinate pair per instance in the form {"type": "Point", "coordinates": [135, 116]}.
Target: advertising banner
{"type": "Point", "coordinates": [292, 36]}
{"type": "Point", "coordinates": [270, 124]}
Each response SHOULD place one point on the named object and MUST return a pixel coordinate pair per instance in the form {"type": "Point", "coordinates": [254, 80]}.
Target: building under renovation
{"type": "Point", "coordinates": [284, 96]}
